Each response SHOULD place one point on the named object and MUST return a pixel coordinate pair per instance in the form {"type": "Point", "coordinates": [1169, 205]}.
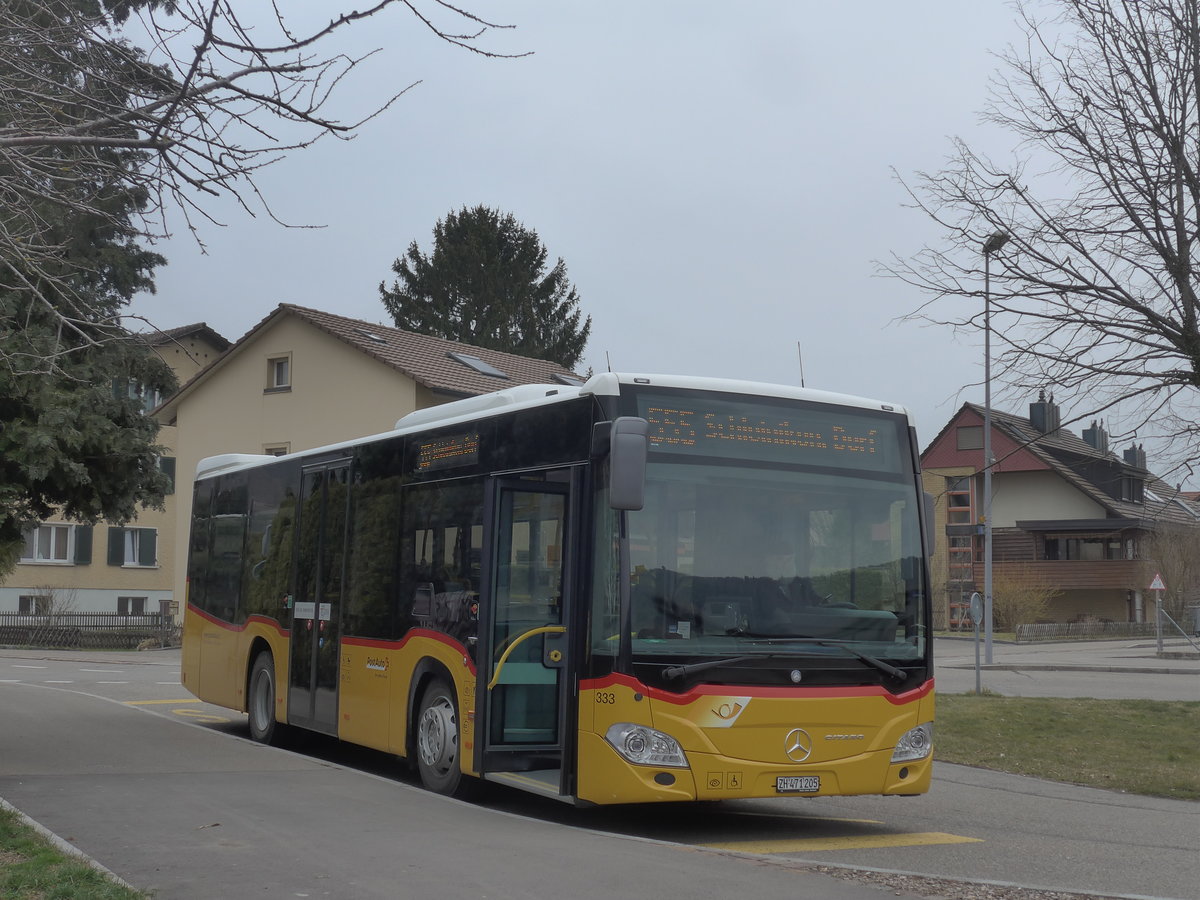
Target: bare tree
{"type": "Point", "coordinates": [1021, 597]}
{"type": "Point", "coordinates": [1173, 552]}
{"type": "Point", "coordinates": [115, 117]}
{"type": "Point", "coordinates": [172, 104]}
{"type": "Point", "coordinates": [1095, 294]}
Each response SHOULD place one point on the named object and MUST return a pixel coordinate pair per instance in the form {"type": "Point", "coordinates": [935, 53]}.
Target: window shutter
{"type": "Point", "coordinates": [167, 464]}
{"type": "Point", "coordinates": [147, 546]}
{"type": "Point", "coordinates": [83, 545]}
{"type": "Point", "coordinates": [116, 546]}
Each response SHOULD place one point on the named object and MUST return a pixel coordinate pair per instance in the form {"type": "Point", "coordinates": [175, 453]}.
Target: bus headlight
{"type": "Point", "coordinates": [644, 746]}
{"type": "Point", "coordinates": [915, 744]}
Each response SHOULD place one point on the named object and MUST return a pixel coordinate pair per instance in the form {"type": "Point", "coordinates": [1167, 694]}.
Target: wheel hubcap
{"type": "Point", "coordinates": [261, 702]}
{"type": "Point", "coordinates": [437, 737]}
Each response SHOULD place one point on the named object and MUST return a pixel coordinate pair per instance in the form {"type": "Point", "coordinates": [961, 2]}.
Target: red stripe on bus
{"type": "Point", "coordinates": [229, 626]}
{"type": "Point", "coordinates": [724, 690]}
{"type": "Point", "coordinates": [371, 643]}
{"type": "Point", "coordinates": [440, 637]}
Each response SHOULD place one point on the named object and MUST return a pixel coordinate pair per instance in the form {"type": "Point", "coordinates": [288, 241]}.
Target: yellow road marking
{"type": "Point", "coordinates": [797, 818]}
{"type": "Point", "coordinates": [154, 702]}
{"type": "Point", "coordinates": [859, 842]}
{"type": "Point", "coordinates": [198, 716]}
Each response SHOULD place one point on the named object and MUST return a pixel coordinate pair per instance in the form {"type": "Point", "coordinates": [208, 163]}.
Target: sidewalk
{"type": "Point", "coordinates": [1138, 655]}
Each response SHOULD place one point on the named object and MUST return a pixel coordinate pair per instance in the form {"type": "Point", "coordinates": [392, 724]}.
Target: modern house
{"type": "Point", "coordinates": [69, 567]}
{"type": "Point", "coordinates": [1066, 512]}
{"type": "Point", "coordinates": [302, 378]}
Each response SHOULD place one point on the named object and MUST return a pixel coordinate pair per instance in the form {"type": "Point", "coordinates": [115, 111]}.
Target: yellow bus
{"type": "Point", "coordinates": [638, 589]}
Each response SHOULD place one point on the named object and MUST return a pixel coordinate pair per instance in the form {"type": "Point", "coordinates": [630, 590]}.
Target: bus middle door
{"type": "Point", "coordinates": [316, 612]}
{"type": "Point", "coordinates": [525, 688]}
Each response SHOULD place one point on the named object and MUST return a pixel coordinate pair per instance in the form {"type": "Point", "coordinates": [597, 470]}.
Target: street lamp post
{"type": "Point", "coordinates": [994, 242]}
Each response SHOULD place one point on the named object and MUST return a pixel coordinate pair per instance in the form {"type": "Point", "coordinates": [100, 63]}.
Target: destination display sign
{"type": "Point", "coordinates": [448, 452]}
{"type": "Point", "coordinates": [742, 429]}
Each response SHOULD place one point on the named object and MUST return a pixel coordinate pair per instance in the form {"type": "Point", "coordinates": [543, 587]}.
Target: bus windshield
{"type": "Point", "coordinates": [733, 561]}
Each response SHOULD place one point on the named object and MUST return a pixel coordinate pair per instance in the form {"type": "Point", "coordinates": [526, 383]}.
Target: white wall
{"type": "Point", "coordinates": [1038, 495]}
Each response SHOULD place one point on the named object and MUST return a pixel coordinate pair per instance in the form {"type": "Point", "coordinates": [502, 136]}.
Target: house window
{"type": "Point", "coordinates": [479, 365]}
{"type": "Point", "coordinates": [1088, 549]}
{"type": "Point", "coordinates": [166, 465]}
{"type": "Point", "coordinates": [279, 373]}
{"type": "Point", "coordinates": [34, 604]}
{"type": "Point", "coordinates": [133, 547]}
{"type": "Point", "coordinates": [48, 544]}
{"type": "Point", "coordinates": [131, 606]}
{"type": "Point", "coordinates": [959, 506]}
{"type": "Point", "coordinates": [970, 437]}
{"type": "Point", "coordinates": [961, 564]}
{"type": "Point", "coordinates": [147, 397]}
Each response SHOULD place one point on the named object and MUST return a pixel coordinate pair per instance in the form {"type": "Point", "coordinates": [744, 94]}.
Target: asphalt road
{"type": "Point", "coordinates": [199, 812]}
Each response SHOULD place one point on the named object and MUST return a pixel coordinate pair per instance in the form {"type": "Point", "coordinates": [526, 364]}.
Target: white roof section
{"type": "Point", "coordinates": [526, 396]}
{"type": "Point", "coordinates": [228, 462]}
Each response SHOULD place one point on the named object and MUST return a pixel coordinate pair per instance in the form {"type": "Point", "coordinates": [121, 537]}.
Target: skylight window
{"type": "Point", "coordinates": [371, 336]}
{"type": "Point", "coordinates": [474, 362]}
{"type": "Point", "coordinates": [569, 380]}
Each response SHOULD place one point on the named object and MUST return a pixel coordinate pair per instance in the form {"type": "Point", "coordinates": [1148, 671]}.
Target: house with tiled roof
{"type": "Point", "coordinates": [1066, 512]}
{"type": "Point", "coordinates": [303, 378]}
{"type": "Point", "coordinates": [68, 566]}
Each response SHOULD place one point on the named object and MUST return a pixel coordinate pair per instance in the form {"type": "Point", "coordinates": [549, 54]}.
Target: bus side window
{"type": "Point", "coordinates": [198, 547]}
{"type": "Point", "coordinates": [228, 529]}
{"type": "Point", "coordinates": [441, 544]}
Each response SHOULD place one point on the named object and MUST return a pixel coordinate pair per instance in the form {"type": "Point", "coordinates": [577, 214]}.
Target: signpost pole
{"type": "Point", "coordinates": [1158, 586]}
{"type": "Point", "coordinates": [976, 615]}
{"type": "Point", "coordinates": [1158, 619]}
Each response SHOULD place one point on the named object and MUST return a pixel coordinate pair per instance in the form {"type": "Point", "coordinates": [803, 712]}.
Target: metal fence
{"type": "Point", "coordinates": [88, 631]}
{"type": "Point", "coordinates": [1084, 630]}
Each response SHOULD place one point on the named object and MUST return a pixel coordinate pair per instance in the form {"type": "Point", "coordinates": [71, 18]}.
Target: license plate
{"type": "Point", "coordinates": [797, 784]}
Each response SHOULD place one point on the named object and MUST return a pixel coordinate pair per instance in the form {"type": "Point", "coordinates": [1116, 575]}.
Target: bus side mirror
{"type": "Point", "coordinates": [628, 442]}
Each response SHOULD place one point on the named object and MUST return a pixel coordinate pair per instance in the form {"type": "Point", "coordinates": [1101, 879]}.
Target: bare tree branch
{"type": "Point", "coordinates": [174, 102]}
{"type": "Point", "coordinates": [1095, 296]}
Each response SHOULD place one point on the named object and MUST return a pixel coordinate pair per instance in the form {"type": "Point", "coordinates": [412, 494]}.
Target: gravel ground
{"type": "Point", "coordinates": [947, 889]}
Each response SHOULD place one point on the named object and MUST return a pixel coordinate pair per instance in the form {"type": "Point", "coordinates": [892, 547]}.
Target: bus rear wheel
{"type": "Point", "coordinates": [260, 701]}
{"type": "Point", "coordinates": [438, 742]}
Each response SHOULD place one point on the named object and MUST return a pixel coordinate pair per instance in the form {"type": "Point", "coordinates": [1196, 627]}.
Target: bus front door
{"type": "Point", "coordinates": [524, 682]}
{"type": "Point", "coordinates": [316, 610]}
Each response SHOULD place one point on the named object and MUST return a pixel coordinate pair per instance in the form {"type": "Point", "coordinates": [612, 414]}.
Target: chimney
{"type": "Point", "coordinates": [1096, 437]}
{"type": "Point", "coordinates": [1044, 415]}
{"type": "Point", "coordinates": [1136, 456]}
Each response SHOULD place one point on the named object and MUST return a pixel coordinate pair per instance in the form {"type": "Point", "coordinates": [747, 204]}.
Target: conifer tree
{"type": "Point", "coordinates": [486, 283]}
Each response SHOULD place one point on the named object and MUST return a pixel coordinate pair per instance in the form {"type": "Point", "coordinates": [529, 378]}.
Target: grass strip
{"type": "Point", "coordinates": [1136, 746]}
{"type": "Point", "coordinates": [31, 868]}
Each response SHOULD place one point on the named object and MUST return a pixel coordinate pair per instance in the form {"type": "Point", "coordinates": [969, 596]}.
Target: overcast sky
{"type": "Point", "coordinates": [717, 177]}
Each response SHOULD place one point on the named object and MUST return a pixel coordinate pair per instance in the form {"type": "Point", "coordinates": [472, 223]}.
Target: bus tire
{"type": "Point", "coordinates": [439, 744]}
{"type": "Point", "coordinates": [260, 699]}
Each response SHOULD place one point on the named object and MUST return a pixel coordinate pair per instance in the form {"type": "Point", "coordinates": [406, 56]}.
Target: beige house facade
{"type": "Point", "coordinates": [71, 567]}
{"type": "Point", "coordinates": [303, 378]}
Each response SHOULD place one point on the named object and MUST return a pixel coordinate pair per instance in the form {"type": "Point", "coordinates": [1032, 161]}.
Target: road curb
{"type": "Point", "coordinates": [1053, 667]}
{"type": "Point", "coordinates": [65, 846]}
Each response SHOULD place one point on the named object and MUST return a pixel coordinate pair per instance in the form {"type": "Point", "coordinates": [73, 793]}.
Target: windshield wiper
{"type": "Point", "coordinates": [680, 671]}
{"type": "Point", "coordinates": [897, 673]}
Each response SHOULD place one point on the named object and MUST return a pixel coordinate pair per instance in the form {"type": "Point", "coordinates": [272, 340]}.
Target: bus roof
{"type": "Point", "coordinates": [606, 384]}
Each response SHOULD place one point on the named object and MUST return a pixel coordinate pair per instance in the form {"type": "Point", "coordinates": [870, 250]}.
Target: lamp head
{"type": "Point", "coordinates": [994, 242]}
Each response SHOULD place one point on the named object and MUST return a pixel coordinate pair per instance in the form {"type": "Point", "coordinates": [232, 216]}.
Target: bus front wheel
{"type": "Point", "coordinates": [438, 743]}
{"type": "Point", "coordinates": [260, 702]}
